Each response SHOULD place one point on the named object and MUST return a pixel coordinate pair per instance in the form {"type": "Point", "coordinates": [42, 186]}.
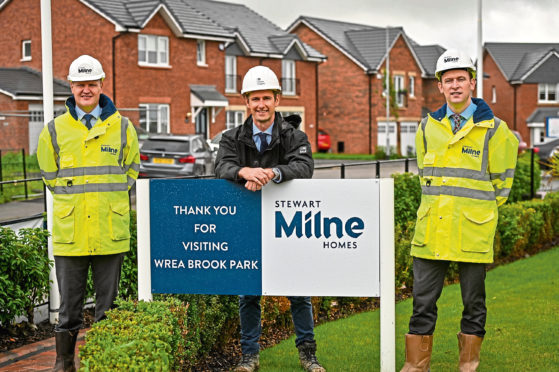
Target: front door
{"type": "Point", "coordinates": [202, 123]}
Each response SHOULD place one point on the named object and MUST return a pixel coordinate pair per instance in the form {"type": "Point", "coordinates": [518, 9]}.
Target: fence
{"type": "Point", "coordinates": [15, 166]}
{"type": "Point", "coordinates": [337, 169]}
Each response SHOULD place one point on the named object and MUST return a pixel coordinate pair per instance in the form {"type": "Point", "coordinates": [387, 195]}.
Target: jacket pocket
{"type": "Point", "coordinates": [119, 220]}
{"type": "Point", "coordinates": [421, 235]}
{"type": "Point", "coordinates": [428, 164]}
{"type": "Point", "coordinates": [477, 229]}
{"type": "Point", "coordinates": [64, 224]}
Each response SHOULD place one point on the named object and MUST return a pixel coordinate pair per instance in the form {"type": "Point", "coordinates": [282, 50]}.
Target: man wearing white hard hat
{"type": "Point", "coordinates": [89, 159]}
{"type": "Point", "coordinates": [466, 158]}
{"type": "Point", "coordinates": [267, 148]}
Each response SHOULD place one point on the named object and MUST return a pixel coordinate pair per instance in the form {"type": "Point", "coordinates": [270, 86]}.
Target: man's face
{"type": "Point", "coordinates": [457, 87]}
{"type": "Point", "coordinates": [87, 93]}
{"type": "Point", "coordinates": [262, 106]}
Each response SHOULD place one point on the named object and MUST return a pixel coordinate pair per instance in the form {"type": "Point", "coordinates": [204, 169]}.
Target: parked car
{"type": "Point", "coordinates": [214, 142]}
{"type": "Point", "coordinates": [521, 144]}
{"type": "Point", "coordinates": [142, 135]}
{"type": "Point", "coordinates": [547, 150]}
{"type": "Point", "coordinates": [175, 156]}
{"type": "Point", "coordinates": [324, 142]}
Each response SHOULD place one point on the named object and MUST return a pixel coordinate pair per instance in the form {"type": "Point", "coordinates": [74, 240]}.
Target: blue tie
{"type": "Point", "coordinates": [88, 118]}
{"type": "Point", "coordinates": [263, 141]}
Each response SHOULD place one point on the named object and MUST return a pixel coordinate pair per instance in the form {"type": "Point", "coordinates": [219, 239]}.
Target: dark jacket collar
{"type": "Point", "coordinates": [107, 107]}
{"type": "Point", "coordinates": [482, 112]}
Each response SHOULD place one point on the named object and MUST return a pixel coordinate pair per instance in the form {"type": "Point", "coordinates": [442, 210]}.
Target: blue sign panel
{"type": "Point", "coordinates": [205, 237]}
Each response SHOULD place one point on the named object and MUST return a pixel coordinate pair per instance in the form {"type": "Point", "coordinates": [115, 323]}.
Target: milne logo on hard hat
{"type": "Point", "coordinates": [454, 59]}
{"type": "Point", "coordinates": [85, 68]}
{"type": "Point", "coordinates": [260, 78]}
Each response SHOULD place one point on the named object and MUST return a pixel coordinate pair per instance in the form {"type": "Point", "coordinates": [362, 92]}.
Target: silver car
{"type": "Point", "coordinates": [175, 156]}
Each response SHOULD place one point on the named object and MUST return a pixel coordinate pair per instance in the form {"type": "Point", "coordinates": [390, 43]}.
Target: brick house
{"type": "Point", "coordinates": [172, 66]}
{"type": "Point", "coordinates": [352, 106]}
{"type": "Point", "coordinates": [522, 84]}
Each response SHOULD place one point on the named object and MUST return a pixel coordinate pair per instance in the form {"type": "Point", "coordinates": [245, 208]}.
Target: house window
{"type": "Point", "coordinates": [547, 93]}
{"type": "Point", "coordinates": [288, 81]}
{"type": "Point", "coordinates": [230, 74]}
{"type": "Point", "coordinates": [399, 89]}
{"type": "Point", "coordinates": [26, 50]}
{"type": "Point", "coordinates": [201, 52]}
{"type": "Point", "coordinates": [154, 118]}
{"type": "Point", "coordinates": [153, 50]}
{"type": "Point", "coordinates": [234, 119]}
{"type": "Point", "coordinates": [412, 86]}
{"type": "Point", "coordinates": [493, 94]}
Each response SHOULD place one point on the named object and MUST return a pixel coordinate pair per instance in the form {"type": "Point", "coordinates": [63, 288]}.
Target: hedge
{"type": "Point", "coordinates": [24, 272]}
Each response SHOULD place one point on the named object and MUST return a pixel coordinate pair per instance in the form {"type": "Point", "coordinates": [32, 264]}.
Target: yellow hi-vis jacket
{"type": "Point", "coordinates": [464, 178]}
{"type": "Point", "coordinates": [89, 173]}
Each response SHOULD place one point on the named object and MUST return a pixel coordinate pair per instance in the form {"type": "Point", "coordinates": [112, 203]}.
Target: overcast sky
{"type": "Point", "coordinates": [450, 23]}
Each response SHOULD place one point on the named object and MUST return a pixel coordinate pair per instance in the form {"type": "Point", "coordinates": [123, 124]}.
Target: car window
{"type": "Point", "coordinates": [196, 145]}
{"type": "Point", "coordinates": [166, 145]}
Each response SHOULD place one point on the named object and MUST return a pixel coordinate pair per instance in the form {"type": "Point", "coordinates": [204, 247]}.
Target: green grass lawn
{"type": "Point", "coordinates": [522, 327]}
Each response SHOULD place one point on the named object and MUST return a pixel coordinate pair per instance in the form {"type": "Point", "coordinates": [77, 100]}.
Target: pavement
{"type": "Point", "coordinates": [39, 356]}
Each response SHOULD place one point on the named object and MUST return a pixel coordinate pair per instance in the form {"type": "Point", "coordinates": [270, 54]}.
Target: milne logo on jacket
{"type": "Point", "coordinates": [470, 151]}
{"type": "Point", "coordinates": [109, 149]}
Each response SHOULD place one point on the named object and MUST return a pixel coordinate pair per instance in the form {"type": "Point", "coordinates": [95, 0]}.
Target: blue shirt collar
{"type": "Point", "coordinates": [255, 130]}
{"type": "Point", "coordinates": [96, 112]}
{"type": "Point", "coordinates": [466, 114]}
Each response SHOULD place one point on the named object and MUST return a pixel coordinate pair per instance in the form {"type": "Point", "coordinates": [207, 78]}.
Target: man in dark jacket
{"type": "Point", "coordinates": [267, 148]}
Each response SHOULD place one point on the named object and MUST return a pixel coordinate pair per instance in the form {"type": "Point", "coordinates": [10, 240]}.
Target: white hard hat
{"type": "Point", "coordinates": [454, 59]}
{"type": "Point", "coordinates": [85, 68]}
{"type": "Point", "coordinates": [260, 78]}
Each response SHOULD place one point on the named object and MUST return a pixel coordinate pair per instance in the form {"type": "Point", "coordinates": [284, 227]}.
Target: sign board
{"type": "Point", "coordinates": [302, 237]}
{"type": "Point", "coordinates": [552, 127]}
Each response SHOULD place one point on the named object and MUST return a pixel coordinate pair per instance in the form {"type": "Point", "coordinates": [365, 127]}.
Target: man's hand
{"type": "Point", "coordinates": [256, 177]}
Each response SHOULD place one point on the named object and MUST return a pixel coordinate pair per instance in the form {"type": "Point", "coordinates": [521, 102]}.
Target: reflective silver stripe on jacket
{"type": "Point", "coordinates": [90, 171]}
{"type": "Point", "coordinates": [134, 166]}
{"type": "Point", "coordinates": [504, 193]}
{"type": "Point", "coordinates": [49, 176]}
{"type": "Point", "coordinates": [455, 172]}
{"type": "Point", "coordinates": [458, 191]}
{"type": "Point", "coordinates": [490, 133]}
{"type": "Point", "coordinates": [123, 139]}
{"type": "Point", "coordinates": [54, 140]}
{"type": "Point", "coordinates": [509, 173]}
{"type": "Point", "coordinates": [131, 181]}
{"type": "Point", "coordinates": [91, 187]}
{"type": "Point", "coordinates": [423, 125]}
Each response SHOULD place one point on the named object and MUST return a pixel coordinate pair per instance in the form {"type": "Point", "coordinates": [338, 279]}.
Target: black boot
{"type": "Point", "coordinates": [65, 346]}
{"type": "Point", "coordinates": [307, 357]}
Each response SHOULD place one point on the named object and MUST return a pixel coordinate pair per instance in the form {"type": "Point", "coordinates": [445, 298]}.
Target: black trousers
{"type": "Point", "coordinates": [428, 284]}
{"type": "Point", "coordinates": [71, 275]}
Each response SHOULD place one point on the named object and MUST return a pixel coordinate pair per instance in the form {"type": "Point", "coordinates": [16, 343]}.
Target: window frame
{"type": "Point", "coordinates": [158, 42]}
{"type": "Point", "coordinates": [163, 109]}
{"type": "Point", "coordinates": [238, 118]}
{"type": "Point", "coordinates": [398, 87]}
{"type": "Point", "coordinates": [24, 56]}
{"type": "Point", "coordinates": [201, 52]}
{"type": "Point", "coordinates": [288, 73]}
{"type": "Point", "coordinates": [493, 94]}
{"type": "Point", "coordinates": [411, 89]}
{"type": "Point", "coordinates": [545, 89]}
{"type": "Point", "coordinates": [231, 75]}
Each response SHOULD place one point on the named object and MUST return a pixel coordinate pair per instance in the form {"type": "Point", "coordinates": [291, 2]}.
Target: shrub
{"type": "Point", "coordinates": [24, 272]}
{"type": "Point", "coordinates": [138, 336]}
{"type": "Point", "coordinates": [521, 186]}
{"type": "Point", "coordinates": [407, 197]}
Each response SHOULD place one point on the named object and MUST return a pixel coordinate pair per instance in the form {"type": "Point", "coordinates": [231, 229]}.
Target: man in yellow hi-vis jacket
{"type": "Point", "coordinates": [466, 159]}
{"type": "Point", "coordinates": [89, 159]}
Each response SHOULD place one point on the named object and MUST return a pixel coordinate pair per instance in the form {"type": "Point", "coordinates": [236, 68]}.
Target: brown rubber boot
{"type": "Point", "coordinates": [65, 346]}
{"type": "Point", "coordinates": [469, 346]}
{"type": "Point", "coordinates": [418, 353]}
